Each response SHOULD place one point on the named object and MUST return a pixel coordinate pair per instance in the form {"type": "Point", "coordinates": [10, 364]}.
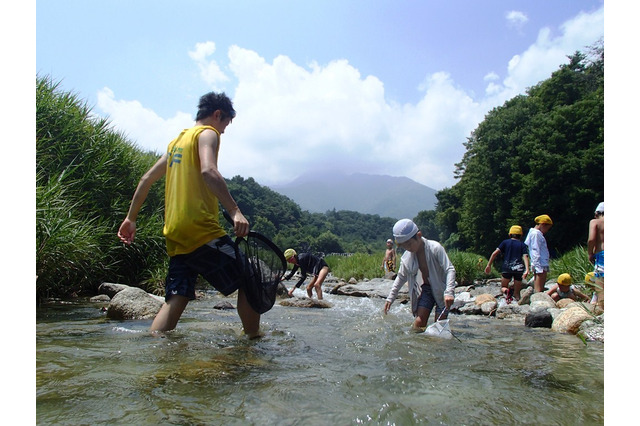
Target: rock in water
{"type": "Point", "coordinates": [539, 318]}
{"type": "Point", "coordinates": [133, 303]}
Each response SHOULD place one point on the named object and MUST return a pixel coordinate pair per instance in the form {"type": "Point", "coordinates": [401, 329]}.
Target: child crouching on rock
{"type": "Point", "coordinates": [563, 289]}
{"type": "Point", "coordinates": [307, 263]}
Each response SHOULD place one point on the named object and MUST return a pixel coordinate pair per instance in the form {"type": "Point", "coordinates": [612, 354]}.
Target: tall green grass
{"type": "Point", "coordinates": [86, 174]}
{"type": "Point", "coordinates": [358, 266]}
{"type": "Point", "coordinates": [67, 244]}
{"type": "Point", "coordinates": [469, 266]}
{"type": "Point", "coordinates": [575, 263]}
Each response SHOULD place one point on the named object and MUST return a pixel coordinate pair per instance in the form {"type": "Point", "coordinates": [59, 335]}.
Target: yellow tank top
{"type": "Point", "coordinates": [191, 209]}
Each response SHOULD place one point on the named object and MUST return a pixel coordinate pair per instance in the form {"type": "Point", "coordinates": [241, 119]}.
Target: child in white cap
{"type": "Point", "coordinates": [389, 260]}
{"type": "Point", "coordinates": [428, 270]}
{"type": "Point", "coordinates": [595, 250]}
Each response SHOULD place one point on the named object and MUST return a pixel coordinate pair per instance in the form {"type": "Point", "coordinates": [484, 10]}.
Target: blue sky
{"type": "Point", "coordinates": [383, 87]}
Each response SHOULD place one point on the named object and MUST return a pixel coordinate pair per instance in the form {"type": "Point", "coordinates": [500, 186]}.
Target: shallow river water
{"type": "Point", "coordinates": [345, 365]}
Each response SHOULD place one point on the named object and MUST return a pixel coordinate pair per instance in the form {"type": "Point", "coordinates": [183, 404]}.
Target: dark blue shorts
{"type": "Point", "coordinates": [517, 276]}
{"type": "Point", "coordinates": [216, 263]}
{"type": "Point", "coordinates": [427, 300]}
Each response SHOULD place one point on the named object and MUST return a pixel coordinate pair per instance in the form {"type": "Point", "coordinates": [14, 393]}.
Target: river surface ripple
{"type": "Point", "coordinates": [345, 365]}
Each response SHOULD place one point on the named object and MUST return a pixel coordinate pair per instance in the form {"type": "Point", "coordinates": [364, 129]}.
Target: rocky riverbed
{"type": "Point", "coordinates": [483, 298]}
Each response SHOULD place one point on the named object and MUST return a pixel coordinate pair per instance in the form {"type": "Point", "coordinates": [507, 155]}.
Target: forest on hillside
{"type": "Point", "coordinates": [539, 153]}
{"type": "Point", "coordinates": [542, 152]}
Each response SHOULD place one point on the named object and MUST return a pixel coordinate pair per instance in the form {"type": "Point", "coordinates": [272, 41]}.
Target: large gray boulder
{"type": "Point", "coordinates": [111, 289]}
{"type": "Point", "coordinates": [305, 302]}
{"type": "Point", "coordinates": [133, 303]}
{"type": "Point", "coordinates": [376, 287]}
{"type": "Point", "coordinates": [542, 300]}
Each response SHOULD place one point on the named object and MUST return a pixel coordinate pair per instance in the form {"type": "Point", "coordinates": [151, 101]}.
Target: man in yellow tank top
{"type": "Point", "coordinates": [196, 243]}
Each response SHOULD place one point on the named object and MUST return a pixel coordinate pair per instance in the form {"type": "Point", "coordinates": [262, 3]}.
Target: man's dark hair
{"type": "Point", "coordinates": [213, 101]}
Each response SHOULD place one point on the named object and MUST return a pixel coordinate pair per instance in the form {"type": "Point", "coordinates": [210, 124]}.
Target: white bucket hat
{"type": "Point", "coordinates": [403, 230]}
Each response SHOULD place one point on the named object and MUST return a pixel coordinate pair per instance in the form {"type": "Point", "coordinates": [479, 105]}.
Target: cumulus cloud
{"type": "Point", "coordinates": [210, 71]}
{"type": "Point", "coordinates": [141, 125]}
{"type": "Point", "coordinates": [294, 118]}
{"type": "Point", "coordinates": [516, 19]}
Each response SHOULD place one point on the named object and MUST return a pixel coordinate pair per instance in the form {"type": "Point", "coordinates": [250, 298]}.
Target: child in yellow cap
{"type": "Point", "coordinates": [515, 263]}
{"type": "Point", "coordinates": [308, 263]}
{"type": "Point", "coordinates": [538, 251]}
{"type": "Point", "coordinates": [563, 289]}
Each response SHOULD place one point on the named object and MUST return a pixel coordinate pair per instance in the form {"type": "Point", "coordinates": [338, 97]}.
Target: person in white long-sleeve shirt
{"type": "Point", "coordinates": [428, 270]}
{"type": "Point", "coordinates": [538, 251]}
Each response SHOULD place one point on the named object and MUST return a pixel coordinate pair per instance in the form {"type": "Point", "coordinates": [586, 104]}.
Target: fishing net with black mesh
{"type": "Point", "coordinates": [264, 266]}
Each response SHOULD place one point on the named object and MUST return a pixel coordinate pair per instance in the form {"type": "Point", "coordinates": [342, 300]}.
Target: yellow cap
{"type": "Point", "coordinates": [516, 230]}
{"type": "Point", "coordinates": [564, 279]}
{"type": "Point", "coordinates": [590, 278]}
{"type": "Point", "coordinates": [543, 218]}
{"type": "Point", "coordinates": [289, 253]}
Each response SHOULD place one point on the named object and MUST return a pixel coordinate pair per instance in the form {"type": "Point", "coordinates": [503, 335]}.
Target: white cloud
{"type": "Point", "coordinates": [546, 54]}
{"type": "Point", "coordinates": [492, 76]}
{"type": "Point", "coordinates": [516, 19]}
{"type": "Point", "coordinates": [294, 119]}
{"type": "Point", "coordinates": [141, 125]}
{"type": "Point", "coordinates": [209, 69]}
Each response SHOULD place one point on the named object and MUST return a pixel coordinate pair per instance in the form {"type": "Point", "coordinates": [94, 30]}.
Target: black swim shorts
{"type": "Point", "coordinates": [217, 264]}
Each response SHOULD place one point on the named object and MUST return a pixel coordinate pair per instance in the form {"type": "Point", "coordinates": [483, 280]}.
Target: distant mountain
{"type": "Point", "coordinates": [387, 196]}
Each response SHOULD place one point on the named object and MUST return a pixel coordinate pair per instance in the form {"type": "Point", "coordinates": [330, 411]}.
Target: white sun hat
{"type": "Point", "coordinates": [403, 230]}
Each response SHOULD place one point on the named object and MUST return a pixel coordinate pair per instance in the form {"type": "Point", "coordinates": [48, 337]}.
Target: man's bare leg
{"type": "Point", "coordinates": [250, 318]}
{"type": "Point", "coordinates": [168, 316]}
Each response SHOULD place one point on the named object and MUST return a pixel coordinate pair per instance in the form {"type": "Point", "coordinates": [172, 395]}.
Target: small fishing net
{"type": "Point", "coordinates": [439, 328]}
{"type": "Point", "coordinates": [264, 265]}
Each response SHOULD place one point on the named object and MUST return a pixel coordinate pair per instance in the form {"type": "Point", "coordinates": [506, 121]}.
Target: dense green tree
{"type": "Point", "coordinates": [447, 217]}
{"type": "Point", "coordinates": [426, 222]}
{"type": "Point", "coordinates": [328, 242]}
{"type": "Point", "coordinates": [542, 152]}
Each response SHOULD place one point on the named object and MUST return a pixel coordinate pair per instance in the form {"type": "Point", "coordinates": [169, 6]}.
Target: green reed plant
{"type": "Point", "coordinates": [67, 245]}
{"type": "Point", "coordinates": [86, 174]}
{"type": "Point", "coordinates": [574, 262]}
{"type": "Point", "coordinates": [469, 266]}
